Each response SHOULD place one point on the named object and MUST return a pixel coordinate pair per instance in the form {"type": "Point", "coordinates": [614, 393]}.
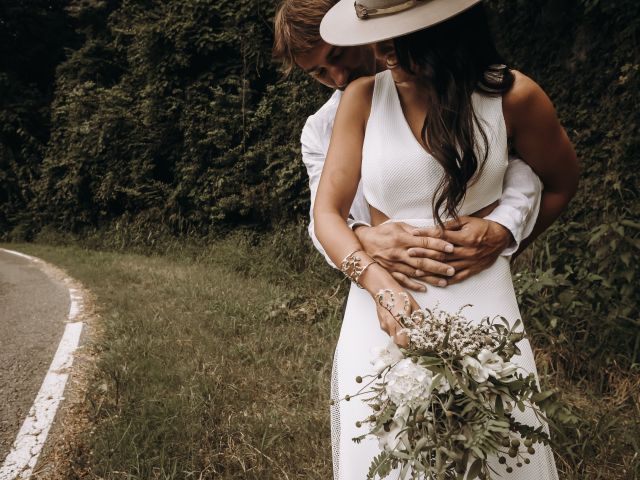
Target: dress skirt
{"type": "Point", "coordinates": [490, 293]}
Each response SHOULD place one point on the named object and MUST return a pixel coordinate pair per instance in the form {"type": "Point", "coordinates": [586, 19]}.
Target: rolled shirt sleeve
{"type": "Point", "coordinates": [519, 204]}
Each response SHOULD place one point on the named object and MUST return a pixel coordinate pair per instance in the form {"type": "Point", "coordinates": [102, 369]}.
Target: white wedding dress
{"type": "Point", "coordinates": [399, 179]}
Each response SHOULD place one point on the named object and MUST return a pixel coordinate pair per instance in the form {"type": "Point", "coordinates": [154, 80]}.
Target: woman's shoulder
{"type": "Point", "coordinates": [361, 88]}
{"type": "Point", "coordinates": [524, 102]}
{"type": "Point", "coordinates": [357, 96]}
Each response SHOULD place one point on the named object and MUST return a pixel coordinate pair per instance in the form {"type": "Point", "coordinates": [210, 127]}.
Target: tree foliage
{"type": "Point", "coordinates": [174, 108]}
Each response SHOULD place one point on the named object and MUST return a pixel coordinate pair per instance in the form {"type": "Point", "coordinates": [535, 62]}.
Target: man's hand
{"type": "Point", "coordinates": [391, 243]}
{"type": "Point", "coordinates": [477, 244]}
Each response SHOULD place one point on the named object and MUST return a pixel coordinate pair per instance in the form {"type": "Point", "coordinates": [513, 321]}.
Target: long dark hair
{"type": "Point", "coordinates": [453, 59]}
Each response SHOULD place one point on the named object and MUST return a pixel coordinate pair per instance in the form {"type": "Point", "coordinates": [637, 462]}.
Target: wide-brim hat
{"type": "Point", "coordinates": [369, 21]}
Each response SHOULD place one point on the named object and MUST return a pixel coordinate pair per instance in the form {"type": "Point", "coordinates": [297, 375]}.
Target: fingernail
{"type": "Point", "coordinates": [410, 252]}
{"type": "Point", "coordinates": [448, 248]}
{"type": "Point", "coordinates": [442, 283]}
{"type": "Point", "coordinates": [420, 273]}
{"type": "Point", "coordinates": [424, 289]}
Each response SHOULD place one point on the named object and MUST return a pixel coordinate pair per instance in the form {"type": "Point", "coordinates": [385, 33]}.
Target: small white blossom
{"type": "Point", "coordinates": [474, 368]}
{"type": "Point", "coordinates": [407, 382]}
{"type": "Point", "coordinates": [440, 384]}
{"type": "Point", "coordinates": [386, 356]}
{"type": "Point", "coordinates": [389, 441]}
{"type": "Point", "coordinates": [498, 368]}
{"type": "Point", "coordinates": [491, 361]}
{"type": "Point", "coordinates": [392, 439]}
{"type": "Point", "coordinates": [445, 333]}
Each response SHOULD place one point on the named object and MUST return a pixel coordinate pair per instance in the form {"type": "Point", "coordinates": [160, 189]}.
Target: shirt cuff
{"type": "Point", "coordinates": [352, 224]}
{"type": "Point", "coordinates": [511, 219]}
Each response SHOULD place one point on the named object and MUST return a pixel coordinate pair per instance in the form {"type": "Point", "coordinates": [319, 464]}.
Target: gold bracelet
{"type": "Point", "coordinates": [352, 268]}
{"type": "Point", "coordinates": [363, 270]}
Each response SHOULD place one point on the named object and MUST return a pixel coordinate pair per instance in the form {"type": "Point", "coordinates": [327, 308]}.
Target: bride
{"type": "Point", "coordinates": [429, 138]}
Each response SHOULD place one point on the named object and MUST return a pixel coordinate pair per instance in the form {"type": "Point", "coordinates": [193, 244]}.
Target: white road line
{"type": "Point", "coordinates": [22, 458]}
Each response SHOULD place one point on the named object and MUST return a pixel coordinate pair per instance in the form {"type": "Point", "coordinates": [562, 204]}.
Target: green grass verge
{"type": "Point", "coordinates": [214, 362]}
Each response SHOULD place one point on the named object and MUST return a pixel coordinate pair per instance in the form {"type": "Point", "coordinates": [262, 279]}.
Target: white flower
{"type": "Point", "coordinates": [491, 361]}
{"type": "Point", "coordinates": [407, 382]}
{"type": "Point", "coordinates": [402, 414]}
{"type": "Point", "coordinates": [497, 367]}
{"type": "Point", "coordinates": [508, 369]}
{"type": "Point", "coordinates": [386, 356]}
{"type": "Point", "coordinates": [390, 440]}
{"type": "Point", "coordinates": [474, 368]}
{"type": "Point", "coordinates": [440, 384]}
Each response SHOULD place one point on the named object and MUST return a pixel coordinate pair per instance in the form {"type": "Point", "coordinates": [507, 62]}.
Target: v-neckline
{"type": "Point", "coordinates": [404, 118]}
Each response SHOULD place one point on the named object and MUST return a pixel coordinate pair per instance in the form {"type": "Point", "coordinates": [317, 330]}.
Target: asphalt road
{"type": "Point", "coordinates": [33, 309]}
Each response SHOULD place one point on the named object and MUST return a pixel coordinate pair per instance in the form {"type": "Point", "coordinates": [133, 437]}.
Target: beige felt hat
{"type": "Point", "coordinates": [369, 21]}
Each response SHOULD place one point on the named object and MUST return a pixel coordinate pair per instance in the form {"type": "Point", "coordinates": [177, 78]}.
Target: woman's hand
{"type": "Point", "coordinates": [391, 243]}
{"type": "Point", "coordinates": [391, 306]}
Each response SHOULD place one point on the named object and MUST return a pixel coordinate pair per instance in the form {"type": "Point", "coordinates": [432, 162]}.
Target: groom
{"type": "Point", "coordinates": [467, 246]}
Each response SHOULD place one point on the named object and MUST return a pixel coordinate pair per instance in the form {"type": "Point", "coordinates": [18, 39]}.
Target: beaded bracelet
{"type": "Point", "coordinates": [352, 268]}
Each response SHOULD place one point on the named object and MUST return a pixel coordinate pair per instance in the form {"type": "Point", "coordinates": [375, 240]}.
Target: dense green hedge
{"type": "Point", "coordinates": [173, 109]}
{"type": "Point", "coordinates": [171, 113]}
{"type": "Point", "coordinates": [582, 291]}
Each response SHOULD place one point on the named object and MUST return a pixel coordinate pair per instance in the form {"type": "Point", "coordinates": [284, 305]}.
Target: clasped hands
{"type": "Point", "coordinates": [415, 256]}
{"type": "Point", "coordinates": [432, 255]}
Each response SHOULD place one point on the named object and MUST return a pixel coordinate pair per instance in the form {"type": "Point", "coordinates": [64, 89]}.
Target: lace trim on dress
{"type": "Point", "coordinates": [335, 418]}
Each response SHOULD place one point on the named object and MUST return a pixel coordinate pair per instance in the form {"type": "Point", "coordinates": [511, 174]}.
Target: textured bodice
{"type": "Point", "coordinates": [400, 178]}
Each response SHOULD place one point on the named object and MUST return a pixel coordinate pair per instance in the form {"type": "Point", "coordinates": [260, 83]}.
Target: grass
{"type": "Point", "coordinates": [214, 362]}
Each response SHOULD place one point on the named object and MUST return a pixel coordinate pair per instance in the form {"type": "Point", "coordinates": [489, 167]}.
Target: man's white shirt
{"type": "Point", "coordinates": [517, 210]}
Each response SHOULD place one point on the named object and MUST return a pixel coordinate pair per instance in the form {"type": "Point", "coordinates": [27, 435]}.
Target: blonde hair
{"type": "Point", "coordinates": [297, 29]}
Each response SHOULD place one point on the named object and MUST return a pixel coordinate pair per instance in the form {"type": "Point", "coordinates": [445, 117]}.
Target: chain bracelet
{"type": "Point", "coordinates": [352, 267]}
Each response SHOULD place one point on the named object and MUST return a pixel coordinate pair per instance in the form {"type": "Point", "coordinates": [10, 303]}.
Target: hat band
{"type": "Point", "coordinates": [362, 11]}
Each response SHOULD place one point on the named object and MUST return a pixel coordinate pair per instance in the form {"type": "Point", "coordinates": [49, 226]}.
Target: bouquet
{"type": "Point", "coordinates": [443, 404]}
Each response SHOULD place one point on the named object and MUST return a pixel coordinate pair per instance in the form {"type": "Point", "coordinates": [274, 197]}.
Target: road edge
{"type": "Point", "coordinates": [45, 412]}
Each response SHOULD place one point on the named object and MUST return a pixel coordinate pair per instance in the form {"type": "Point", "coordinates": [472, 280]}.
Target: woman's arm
{"type": "Point", "coordinates": [538, 137]}
{"type": "Point", "coordinates": [338, 186]}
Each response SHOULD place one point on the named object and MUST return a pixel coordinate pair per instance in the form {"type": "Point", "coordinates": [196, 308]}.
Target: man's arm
{"type": "Point", "coordinates": [313, 161]}
{"type": "Point", "coordinates": [543, 143]}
